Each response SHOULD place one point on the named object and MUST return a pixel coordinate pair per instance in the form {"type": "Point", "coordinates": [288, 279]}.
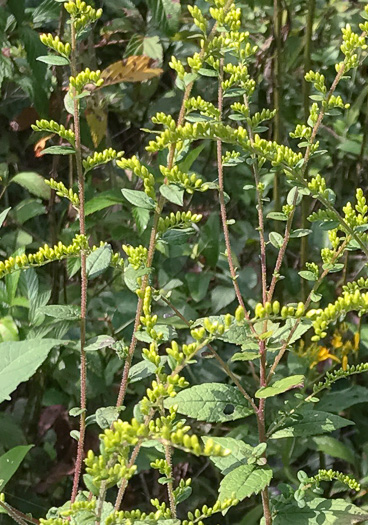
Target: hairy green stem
{"type": "Point", "coordinates": [277, 90]}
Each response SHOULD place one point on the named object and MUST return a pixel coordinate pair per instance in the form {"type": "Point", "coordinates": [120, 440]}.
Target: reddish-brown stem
{"type": "Point", "coordinates": [17, 515]}
{"type": "Point", "coordinates": [84, 282]}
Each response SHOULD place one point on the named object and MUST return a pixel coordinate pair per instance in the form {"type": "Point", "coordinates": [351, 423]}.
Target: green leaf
{"type": "Point", "coordinates": [320, 511]}
{"type": "Point", "coordinates": [277, 216]}
{"type": "Point", "coordinates": [190, 158]}
{"type": "Point", "coordinates": [105, 416]}
{"type": "Point", "coordinates": [279, 387]}
{"type": "Point", "coordinates": [291, 196]}
{"type": "Point", "coordinates": [240, 452]}
{"type": "Point", "coordinates": [98, 343]}
{"type": "Point", "coordinates": [276, 239]}
{"type": "Point", "coordinates": [139, 199]}
{"type": "Point", "coordinates": [222, 296]}
{"type": "Point", "coordinates": [172, 193]}
{"type": "Point", "coordinates": [198, 284]}
{"type": "Point", "coordinates": [244, 481]}
{"type": "Point", "coordinates": [334, 448]}
{"type": "Point", "coordinates": [58, 150]}
{"type": "Point", "coordinates": [19, 360]}
{"type": "Point", "coordinates": [3, 215]}
{"type": "Point", "coordinates": [62, 312]}
{"type": "Point", "coordinates": [10, 461]}
{"type": "Point", "coordinates": [166, 14]}
{"type": "Point", "coordinates": [34, 183]}
{"type": "Point", "coordinates": [102, 201]}
{"type": "Point", "coordinates": [211, 402]}
{"type": "Point", "coordinates": [54, 60]}
{"type": "Point", "coordinates": [141, 370]}
{"type": "Point", "coordinates": [312, 423]}
{"type": "Point", "coordinates": [338, 400]}
{"type": "Point", "coordinates": [141, 217]}
{"type": "Point", "coordinates": [301, 232]}
{"type": "Point", "coordinates": [98, 261]}
{"type": "Point", "coordinates": [309, 276]}
{"type": "Point", "coordinates": [8, 329]}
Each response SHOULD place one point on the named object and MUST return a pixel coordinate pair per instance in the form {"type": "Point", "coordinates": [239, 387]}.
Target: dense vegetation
{"type": "Point", "coordinates": [183, 273]}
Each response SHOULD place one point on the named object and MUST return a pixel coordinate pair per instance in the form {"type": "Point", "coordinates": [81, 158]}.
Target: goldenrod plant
{"type": "Point", "coordinates": [172, 416]}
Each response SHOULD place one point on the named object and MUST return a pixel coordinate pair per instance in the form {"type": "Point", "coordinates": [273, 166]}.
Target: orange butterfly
{"type": "Point", "coordinates": [131, 69]}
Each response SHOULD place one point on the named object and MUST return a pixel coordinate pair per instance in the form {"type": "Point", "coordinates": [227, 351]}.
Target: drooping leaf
{"type": "Point", "coordinates": [141, 370]}
{"type": "Point", "coordinates": [96, 117]}
{"type": "Point", "coordinates": [54, 60]}
{"type": "Point", "coordinates": [3, 215]}
{"type": "Point", "coordinates": [338, 400]}
{"type": "Point", "coordinates": [320, 511]}
{"type": "Point", "coordinates": [102, 201]}
{"type": "Point", "coordinates": [244, 481]}
{"type": "Point", "coordinates": [19, 360]}
{"type": "Point", "coordinates": [139, 199]}
{"type": "Point", "coordinates": [66, 312]}
{"type": "Point", "coordinates": [105, 416]}
{"type": "Point", "coordinates": [333, 447]}
{"type": "Point", "coordinates": [98, 343]}
{"type": "Point", "coordinates": [58, 150]}
{"type": "Point", "coordinates": [240, 452]}
{"type": "Point", "coordinates": [98, 261]}
{"type": "Point", "coordinates": [34, 183]}
{"type": "Point", "coordinates": [10, 461]}
{"type": "Point", "coordinates": [312, 423]}
{"type": "Point", "coordinates": [211, 402]}
{"type": "Point", "coordinates": [280, 386]}
{"type": "Point", "coordinates": [172, 193]}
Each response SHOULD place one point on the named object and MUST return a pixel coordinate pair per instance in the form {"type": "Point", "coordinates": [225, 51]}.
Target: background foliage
{"type": "Point", "coordinates": [193, 270]}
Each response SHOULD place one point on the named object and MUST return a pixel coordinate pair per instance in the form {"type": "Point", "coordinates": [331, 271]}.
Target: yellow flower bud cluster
{"type": "Point", "coordinates": [177, 66]}
{"type": "Point", "coordinates": [101, 157]}
{"type": "Point", "coordinates": [240, 108]}
{"type": "Point", "coordinates": [158, 391]}
{"type": "Point", "coordinates": [55, 44]}
{"type": "Point", "coordinates": [165, 120]}
{"type": "Point", "coordinates": [43, 256]}
{"type": "Point", "coordinates": [198, 18]}
{"type": "Point", "coordinates": [231, 158]}
{"type": "Point", "coordinates": [352, 43]}
{"type": "Point", "coordinates": [233, 18]}
{"type": "Point", "coordinates": [352, 286]}
{"type": "Point", "coordinates": [82, 14]}
{"type": "Point", "coordinates": [238, 76]}
{"type": "Point", "coordinates": [186, 352]}
{"type": "Point", "coordinates": [330, 475]}
{"type": "Point", "coordinates": [62, 191]}
{"type": "Point", "coordinates": [301, 132]}
{"type": "Point", "coordinates": [182, 219]}
{"type": "Point", "coordinates": [151, 354]}
{"type": "Point", "coordinates": [148, 320]}
{"type": "Point", "coordinates": [54, 521]}
{"type": "Point", "coordinates": [83, 78]}
{"type": "Point", "coordinates": [335, 102]}
{"type": "Point", "coordinates": [257, 118]}
{"type": "Point", "coordinates": [181, 439]}
{"type": "Point", "coordinates": [274, 309]}
{"type": "Point", "coordinates": [105, 468]}
{"type": "Point", "coordinates": [317, 79]}
{"type": "Point", "coordinates": [347, 302]}
{"type": "Point", "coordinates": [195, 62]}
{"type": "Point", "coordinates": [137, 256]}
{"type": "Point", "coordinates": [79, 506]}
{"type": "Point", "coordinates": [117, 261]}
{"type": "Point", "coordinates": [2, 496]}
{"type": "Point", "coordinates": [140, 171]}
{"type": "Point", "coordinates": [190, 182]}
{"type": "Point", "coordinates": [205, 108]}
{"type": "Point", "coordinates": [206, 512]}
{"type": "Point", "coordinates": [234, 41]}
{"type": "Point", "coordinates": [53, 127]}
{"type": "Point", "coordinates": [317, 186]}
{"type": "Point", "coordinates": [126, 517]}
{"type": "Point", "coordinates": [162, 466]}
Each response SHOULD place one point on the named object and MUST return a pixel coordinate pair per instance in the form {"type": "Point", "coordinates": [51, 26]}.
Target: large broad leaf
{"type": "Point", "coordinates": [240, 452]}
{"type": "Point", "coordinates": [244, 481]}
{"type": "Point", "coordinates": [98, 261]}
{"type": "Point", "coordinates": [320, 511]}
{"type": "Point", "coordinates": [312, 423]}
{"type": "Point", "coordinates": [212, 402]}
{"type": "Point", "coordinates": [334, 448]}
{"type": "Point", "coordinates": [139, 199]}
{"type": "Point", "coordinates": [166, 14]}
{"type": "Point", "coordinates": [34, 183]}
{"type": "Point", "coordinates": [102, 201]}
{"type": "Point", "coordinates": [19, 360]}
{"type": "Point", "coordinates": [279, 387]}
{"type": "Point", "coordinates": [65, 312]}
{"type": "Point", "coordinates": [339, 400]}
{"type": "Point", "coordinates": [10, 462]}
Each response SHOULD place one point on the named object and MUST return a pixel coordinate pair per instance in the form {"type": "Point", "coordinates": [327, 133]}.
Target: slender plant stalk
{"type": "Point", "coordinates": [84, 282]}
{"type": "Point", "coordinates": [306, 92]}
{"type": "Point", "coordinates": [277, 90]}
{"type": "Point", "coordinates": [222, 363]}
{"type": "Point", "coordinates": [170, 486]}
{"type": "Point", "coordinates": [306, 305]}
{"type": "Point", "coordinates": [17, 515]}
{"type": "Point", "coordinates": [152, 242]}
